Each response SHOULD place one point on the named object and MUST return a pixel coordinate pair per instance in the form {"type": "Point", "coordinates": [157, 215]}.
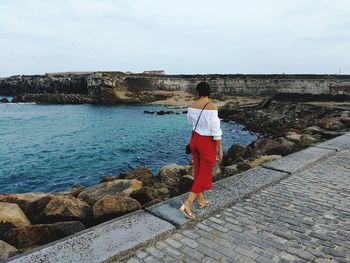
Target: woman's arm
{"type": "Point", "coordinates": [220, 153]}
{"type": "Point", "coordinates": [216, 131]}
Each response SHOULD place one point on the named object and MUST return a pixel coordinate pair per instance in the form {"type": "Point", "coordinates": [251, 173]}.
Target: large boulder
{"type": "Point", "coordinates": [332, 123]}
{"type": "Point", "coordinates": [36, 235]}
{"type": "Point", "coordinates": [4, 226]}
{"type": "Point", "coordinates": [267, 146]}
{"type": "Point", "coordinates": [148, 194]}
{"type": "Point", "coordinates": [142, 174]}
{"type": "Point", "coordinates": [293, 137]}
{"type": "Point", "coordinates": [264, 159]}
{"type": "Point", "coordinates": [345, 118]}
{"type": "Point", "coordinates": [237, 153]}
{"type": "Point", "coordinates": [312, 130]}
{"type": "Point", "coordinates": [307, 140]}
{"type": "Point", "coordinates": [6, 250]}
{"type": "Point", "coordinates": [66, 208]}
{"type": "Point", "coordinates": [4, 100]}
{"type": "Point", "coordinates": [31, 203]}
{"type": "Point", "coordinates": [112, 206]}
{"type": "Point", "coordinates": [11, 215]}
{"type": "Point", "coordinates": [92, 194]}
{"type": "Point", "coordinates": [74, 191]}
{"type": "Point", "coordinates": [217, 172]}
{"type": "Point", "coordinates": [172, 174]}
{"type": "Point", "coordinates": [233, 153]}
{"type": "Point", "coordinates": [230, 170]}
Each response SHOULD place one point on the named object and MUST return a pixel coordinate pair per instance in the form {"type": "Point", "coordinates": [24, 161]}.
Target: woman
{"type": "Point", "coordinates": [205, 145]}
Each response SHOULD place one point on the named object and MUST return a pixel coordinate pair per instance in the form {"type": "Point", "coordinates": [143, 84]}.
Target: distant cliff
{"type": "Point", "coordinates": [118, 87]}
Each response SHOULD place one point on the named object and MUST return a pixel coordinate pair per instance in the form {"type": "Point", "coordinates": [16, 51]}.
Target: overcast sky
{"type": "Point", "coordinates": [183, 36]}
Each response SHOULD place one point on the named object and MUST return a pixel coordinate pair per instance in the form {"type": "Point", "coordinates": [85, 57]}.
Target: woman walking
{"type": "Point", "coordinates": [205, 146]}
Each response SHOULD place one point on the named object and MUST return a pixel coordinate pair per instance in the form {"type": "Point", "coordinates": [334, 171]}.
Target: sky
{"type": "Point", "coordinates": [180, 37]}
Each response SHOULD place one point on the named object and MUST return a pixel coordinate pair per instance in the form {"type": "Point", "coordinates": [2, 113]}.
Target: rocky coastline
{"type": "Point", "coordinates": [113, 87]}
{"type": "Point", "coordinates": [33, 219]}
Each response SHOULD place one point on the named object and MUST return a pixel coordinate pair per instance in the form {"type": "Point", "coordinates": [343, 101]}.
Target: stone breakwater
{"type": "Point", "coordinates": [118, 87]}
{"type": "Point", "coordinates": [34, 219]}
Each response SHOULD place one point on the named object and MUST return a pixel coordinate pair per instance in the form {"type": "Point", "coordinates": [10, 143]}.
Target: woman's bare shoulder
{"type": "Point", "coordinates": [192, 104]}
{"type": "Point", "coordinates": [211, 106]}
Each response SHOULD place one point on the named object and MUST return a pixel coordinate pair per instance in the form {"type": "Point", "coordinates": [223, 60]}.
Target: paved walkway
{"type": "Point", "coordinates": [304, 218]}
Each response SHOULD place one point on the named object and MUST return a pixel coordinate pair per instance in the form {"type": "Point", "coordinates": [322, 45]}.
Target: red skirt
{"type": "Point", "coordinates": [203, 150]}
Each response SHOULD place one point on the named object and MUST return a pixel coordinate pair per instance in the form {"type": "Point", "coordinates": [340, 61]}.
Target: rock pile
{"type": "Point", "coordinates": [272, 117]}
{"type": "Point", "coordinates": [54, 98]}
{"type": "Point", "coordinates": [287, 127]}
{"type": "Point", "coordinates": [4, 100]}
{"type": "Point", "coordinates": [32, 219]}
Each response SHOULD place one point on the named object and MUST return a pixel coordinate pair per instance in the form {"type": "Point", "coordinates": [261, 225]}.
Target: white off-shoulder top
{"type": "Point", "coordinates": [209, 123]}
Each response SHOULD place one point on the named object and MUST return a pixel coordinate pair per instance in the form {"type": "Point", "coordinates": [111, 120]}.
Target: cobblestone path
{"type": "Point", "coordinates": [304, 218]}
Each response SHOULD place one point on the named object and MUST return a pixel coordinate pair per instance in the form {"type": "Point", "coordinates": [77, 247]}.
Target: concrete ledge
{"type": "Point", "coordinates": [299, 161]}
{"type": "Point", "coordinates": [101, 242]}
{"type": "Point", "coordinates": [339, 143]}
{"type": "Point", "coordinates": [224, 193]}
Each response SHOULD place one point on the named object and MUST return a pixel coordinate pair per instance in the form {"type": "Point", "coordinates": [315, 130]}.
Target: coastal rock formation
{"type": "Point", "coordinates": [217, 171]}
{"type": "Point", "coordinates": [142, 174]}
{"type": "Point", "coordinates": [66, 208]}
{"type": "Point", "coordinates": [60, 83]}
{"type": "Point", "coordinates": [237, 153]}
{"type": "Point", "coordinates": [4, 100]}
{"type": "Point", "coordinates": [92, 194]}
{"type": "Point", "coordinates": [264, 159]}
{"type": "Point", "coordinates": [54, 98]}
{"type": "Point", "coordinates": [112, 206]}
{"type": "Point", "coordinates": [172, 174]}
{"type": "Point", "coordinates": [230, 170]}
{"type": "Point", "coordinates": [31, 203]}
{"type": "Point", "coordinates": [281, 116]}
{"type": "Point", "coordinates": [287, 126]}
{"type": "Point", "coordinates": [74, 191]}
{"type": "Point", "coordinates": [36, 235]}
{"type": "Point", "coordinates": [6, 250]}
{"type": "Point", "coordinates": [12, 214]}
{"type": "Point", "coordinates": [268, 146]}
{"type": "Point", "coordinates": [333, 123]}
{"type": "Point", "coordinates": [118, 87]}
{"type": "Point", "coordinates": [148, 195]}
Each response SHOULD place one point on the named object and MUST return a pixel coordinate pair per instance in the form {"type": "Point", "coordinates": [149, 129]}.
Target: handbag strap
{"type": "Point", "coordinates": [200, 116]}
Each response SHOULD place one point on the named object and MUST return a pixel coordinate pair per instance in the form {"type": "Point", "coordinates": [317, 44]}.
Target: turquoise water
{"type": "Point", "coordinates": [51, 147]}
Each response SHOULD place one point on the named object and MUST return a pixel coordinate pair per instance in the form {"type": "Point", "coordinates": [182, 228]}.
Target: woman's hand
{"type": "Point", "coordinates": [220, 155]}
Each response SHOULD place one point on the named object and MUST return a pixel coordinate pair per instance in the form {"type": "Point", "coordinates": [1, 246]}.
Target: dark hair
{"type": "Point", "coordinates": [203, 89]}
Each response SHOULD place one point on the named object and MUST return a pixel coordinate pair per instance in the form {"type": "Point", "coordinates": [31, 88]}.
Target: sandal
{"type": "Point", "coordinates": [204, 205]}
{"type": "Point", "coordinates": [189, 215]}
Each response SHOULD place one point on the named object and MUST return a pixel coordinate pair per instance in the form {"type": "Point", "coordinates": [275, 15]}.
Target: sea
{"type": "Point", "coordinates": [49, 148]}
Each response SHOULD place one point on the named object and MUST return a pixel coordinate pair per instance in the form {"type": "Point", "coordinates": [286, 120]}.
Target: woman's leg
{"type": "Point", "coordinates": [189, 202]}
{"type": "Point", "coordinates": [200, 198]}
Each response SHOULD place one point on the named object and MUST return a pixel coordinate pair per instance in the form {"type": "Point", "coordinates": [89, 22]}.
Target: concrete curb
{"type": "Point", "coordinates": [101, 242]}
{"type": "Point", "coordinates": [299, 161]}
{"type": "Point", "coordinates": [338, 143]}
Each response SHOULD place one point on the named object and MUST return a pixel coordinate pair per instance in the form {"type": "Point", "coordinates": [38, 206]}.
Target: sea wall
{"type": "Point", "coordinates": [118, 87]}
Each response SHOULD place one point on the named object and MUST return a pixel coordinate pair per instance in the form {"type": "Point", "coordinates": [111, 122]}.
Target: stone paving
{"type": "Point", "coordinates": [304, 218]}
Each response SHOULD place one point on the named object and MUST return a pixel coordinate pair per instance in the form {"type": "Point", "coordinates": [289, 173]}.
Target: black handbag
{"type": "Point", "coordinates": [188, 148]}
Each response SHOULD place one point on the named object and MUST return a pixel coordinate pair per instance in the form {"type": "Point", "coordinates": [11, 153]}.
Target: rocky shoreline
{"type": "Point", "coordinates": [113, 87]}
{"type": "Point", "coordinates": [33, 219]}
